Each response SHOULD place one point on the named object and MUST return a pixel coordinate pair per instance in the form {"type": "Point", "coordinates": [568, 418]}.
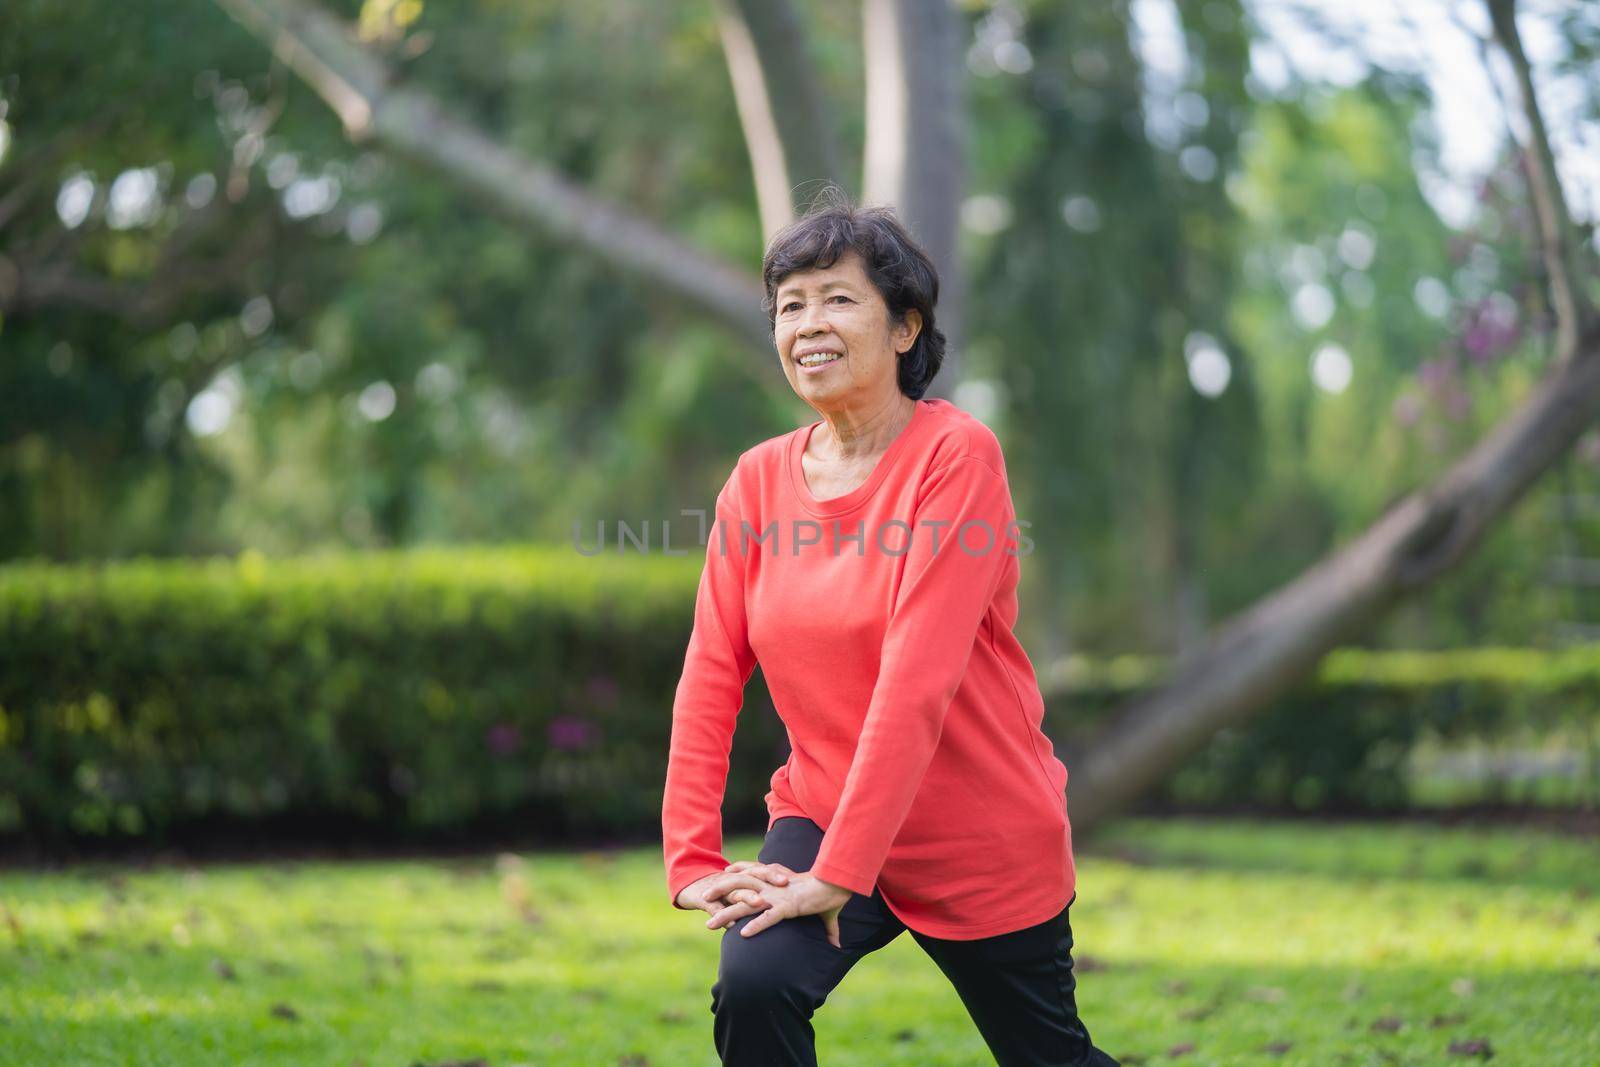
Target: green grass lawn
{"type": "Point", "coordinates": [1198, 942]}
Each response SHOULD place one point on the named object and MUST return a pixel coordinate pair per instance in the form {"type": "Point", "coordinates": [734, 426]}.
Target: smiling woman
{"type": "Point", "coordinates": [830, 329]}
{"type": "Point", "coordinates": [920, 792]}
{"type": "Point", "coordinates": [836, 281]}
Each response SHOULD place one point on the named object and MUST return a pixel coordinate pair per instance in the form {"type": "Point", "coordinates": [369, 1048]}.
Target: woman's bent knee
{"type": "Point", "coordinates": [766, 971]}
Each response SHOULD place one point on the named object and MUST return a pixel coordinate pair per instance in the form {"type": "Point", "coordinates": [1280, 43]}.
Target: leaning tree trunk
{"type": "Point", "coordinates": [410, 123]}
{"type": "Point", "coordinates": [913, 135]}
{"type": "Point", "coordinates": [1264, 650]}
{"type": "Point", "coordinates": [790, 147]}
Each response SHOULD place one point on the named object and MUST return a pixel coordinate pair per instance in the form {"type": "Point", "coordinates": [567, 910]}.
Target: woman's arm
{"type": "Point", "coordinates": [718, 663]}
{"type": "Point", "coordinates": [939, 607]}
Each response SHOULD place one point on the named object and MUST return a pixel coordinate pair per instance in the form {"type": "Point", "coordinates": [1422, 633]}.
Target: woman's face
{"type": "Point", "coordinates": [838, 310]}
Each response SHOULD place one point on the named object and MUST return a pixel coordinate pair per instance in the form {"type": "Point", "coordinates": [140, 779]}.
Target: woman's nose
{"type": "Point", "coordinates": [812, 320]}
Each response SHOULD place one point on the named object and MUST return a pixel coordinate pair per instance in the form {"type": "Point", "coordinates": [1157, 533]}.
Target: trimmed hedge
{"type": "Point", "coordinates": [411, 691]}
{"type": "Point", "coordinates": [1343, 738]}
{"type": "Point", "coordinates": [442, 690]}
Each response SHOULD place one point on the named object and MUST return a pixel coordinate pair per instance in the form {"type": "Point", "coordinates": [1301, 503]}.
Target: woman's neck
{"type": "Point", "coordinates": [852, 434]}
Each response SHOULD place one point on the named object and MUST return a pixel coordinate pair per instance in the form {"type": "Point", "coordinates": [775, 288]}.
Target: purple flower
{"type": "Point", "coordinates": [1492, 328]}
{"type": "Point", "coordinates": [571, 732]}
{"type": "Point", "coordinates": [503, 738]}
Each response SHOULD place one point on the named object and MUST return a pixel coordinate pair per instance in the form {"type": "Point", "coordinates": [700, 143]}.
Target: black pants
{"type": "Point", "coordinates": [1018, 987]}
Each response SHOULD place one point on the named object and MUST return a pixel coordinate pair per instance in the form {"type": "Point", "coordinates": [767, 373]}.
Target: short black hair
{"type": "Point", "coordinates": [901, 271]}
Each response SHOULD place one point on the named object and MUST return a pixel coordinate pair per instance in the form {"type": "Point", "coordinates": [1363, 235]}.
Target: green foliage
{"type": "Point", "coordinates": [414, 370]}
{"type": "Point", "coordinates": [518, 364]}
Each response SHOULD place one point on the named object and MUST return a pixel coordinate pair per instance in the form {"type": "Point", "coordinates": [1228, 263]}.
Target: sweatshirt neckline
{"type": "Point", "coordinates": [838, 505]}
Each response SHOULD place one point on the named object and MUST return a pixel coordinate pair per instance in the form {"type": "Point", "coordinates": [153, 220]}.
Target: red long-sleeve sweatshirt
{"type": "Point", "coordinates": [882, 620]}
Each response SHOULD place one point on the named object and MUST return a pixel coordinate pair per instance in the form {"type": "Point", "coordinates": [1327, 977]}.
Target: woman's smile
{"type": "Point", "coordinates": [816, 365]}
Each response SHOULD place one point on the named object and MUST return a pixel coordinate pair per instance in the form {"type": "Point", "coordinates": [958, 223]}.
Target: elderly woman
{"type": "Point", "coordinates": [869, 563]}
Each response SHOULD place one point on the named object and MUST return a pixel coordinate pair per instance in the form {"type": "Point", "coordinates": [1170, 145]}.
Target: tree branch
{"type": "Point", "coordinates": [410, 123]}
{"type": "Point", "coordinates": [1557, 247]}
{"type": "Point", "coordinates": [767, 54]}
{"type": "Point", "coordinates": [31, 285]}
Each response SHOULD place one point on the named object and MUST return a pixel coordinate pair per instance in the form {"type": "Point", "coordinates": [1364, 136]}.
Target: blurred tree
{"type": "Point", "coordinates": [373, 355]}
{"type": "Point", "coordinates": [119, 284]}
{"type": "Point", "coordinates": [1262, 650]}
{"type": "Point", "coordinates": [1118, 212]}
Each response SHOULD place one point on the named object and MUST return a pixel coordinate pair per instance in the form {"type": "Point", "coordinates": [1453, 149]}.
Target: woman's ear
{"type": "Point", "coordinates": [906, 330]}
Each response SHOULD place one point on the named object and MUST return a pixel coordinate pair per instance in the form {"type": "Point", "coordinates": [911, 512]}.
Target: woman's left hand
{"type": "Point", "coordinates": [804, 894]}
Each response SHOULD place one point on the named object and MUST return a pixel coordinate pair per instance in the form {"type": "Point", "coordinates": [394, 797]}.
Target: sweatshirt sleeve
{"type": "Point", "coordinates": [716, 666]}
{"type": "Point", "coordinates": [944, 594]}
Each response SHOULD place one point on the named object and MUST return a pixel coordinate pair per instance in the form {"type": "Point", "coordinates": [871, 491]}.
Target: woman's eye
{"type": "Point", "coordinates": [790, 306]}
{"type": "Point", "coordinates": [846, 299]}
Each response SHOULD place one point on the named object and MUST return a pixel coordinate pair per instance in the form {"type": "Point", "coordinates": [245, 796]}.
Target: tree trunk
{"type": "Point", "coordinates": [793, 149]}
{"type": "Point", "coordinates": [916, 144]}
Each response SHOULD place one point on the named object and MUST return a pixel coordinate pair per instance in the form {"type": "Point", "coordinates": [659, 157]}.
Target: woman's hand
{"type": "Point", "coordinates": [775, 873]}
{"type": "Point", "coordinates": [801, 894]}
{"type": "Point", "coordinates": [735, 888]}
{"type": "Point", "coordinates": [742, 900]}
{"type": "Point", "coordinates": [715, 891]}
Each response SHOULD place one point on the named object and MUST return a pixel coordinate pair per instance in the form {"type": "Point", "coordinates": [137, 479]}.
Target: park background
{"type": "Point", "coordinates": [330, 336]}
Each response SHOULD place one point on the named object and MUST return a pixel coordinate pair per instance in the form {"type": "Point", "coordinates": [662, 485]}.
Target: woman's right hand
{"type": "Point", "coordinates": [738, 887]}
